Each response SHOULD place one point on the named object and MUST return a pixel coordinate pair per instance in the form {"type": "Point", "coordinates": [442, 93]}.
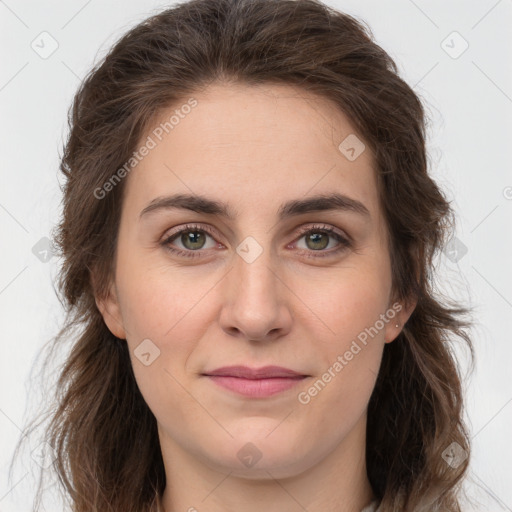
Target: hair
{"type": "Point", "coordinates": [102, 433]}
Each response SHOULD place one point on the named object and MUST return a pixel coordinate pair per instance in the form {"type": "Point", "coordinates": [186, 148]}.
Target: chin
{"type": "Point", "coordinates": [257, 453]}
{"type": "Point", "coordinates": [268, 467]}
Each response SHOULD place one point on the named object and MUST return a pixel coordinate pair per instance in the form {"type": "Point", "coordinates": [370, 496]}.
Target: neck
{"type": "Point", "coordinates": [336, 483]}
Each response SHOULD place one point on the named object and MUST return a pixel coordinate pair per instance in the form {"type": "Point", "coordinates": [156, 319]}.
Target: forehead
{"type": "Point", "coordinates": [250, 144]}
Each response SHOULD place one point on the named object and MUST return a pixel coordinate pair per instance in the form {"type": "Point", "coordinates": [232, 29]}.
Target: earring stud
{"type": "Point", "coordinates": [397, 325]}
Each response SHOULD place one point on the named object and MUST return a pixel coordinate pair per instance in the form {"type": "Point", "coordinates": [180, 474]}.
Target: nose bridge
{"type": "Point", "coordinates": [253, 302]}
{"type": "Point", "coordinates": [254, 270]}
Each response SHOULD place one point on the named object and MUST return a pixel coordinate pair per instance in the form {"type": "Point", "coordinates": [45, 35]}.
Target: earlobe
{"type": "Point", "coordinates": [111, 312]}
{"type": "Point", "coordinates": [403, 311]}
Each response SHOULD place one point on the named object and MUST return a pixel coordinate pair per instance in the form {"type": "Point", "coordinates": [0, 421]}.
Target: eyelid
{"type": "Point", "coordinates": [325, 227]}
{"type": "Point", "coordinates": [345, 242]}
{"type": "Point", "coordinates": [169, 236]}
{"type": "Point", "coordinates": [189, 227]}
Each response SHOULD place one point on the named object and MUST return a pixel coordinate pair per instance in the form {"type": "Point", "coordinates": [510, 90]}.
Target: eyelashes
{"type": "Point", "coordinates": [189, 228]}
{"type": "Point", "coordinates": [343, 242]}
{"type": "Point", "coordinates": [313, 232]}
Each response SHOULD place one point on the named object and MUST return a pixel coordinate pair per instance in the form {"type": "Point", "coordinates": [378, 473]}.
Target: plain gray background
{"type": "Point", "coordinates": [468, 95]}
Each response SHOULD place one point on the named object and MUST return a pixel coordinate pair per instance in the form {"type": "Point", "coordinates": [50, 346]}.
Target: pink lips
{"type": "Point", "coordinates": [258, 382]}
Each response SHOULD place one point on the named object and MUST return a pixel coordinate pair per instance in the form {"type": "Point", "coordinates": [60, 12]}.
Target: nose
{"type": "Point", "coordinates": [255, 300]}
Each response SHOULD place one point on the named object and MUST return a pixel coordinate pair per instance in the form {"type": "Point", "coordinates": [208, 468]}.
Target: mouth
{"type": "Point", "coordinates": [257, 382]}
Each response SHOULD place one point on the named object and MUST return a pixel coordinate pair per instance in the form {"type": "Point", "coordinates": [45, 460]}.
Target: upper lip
{"type": "Point", "coordinates": [265, 372]}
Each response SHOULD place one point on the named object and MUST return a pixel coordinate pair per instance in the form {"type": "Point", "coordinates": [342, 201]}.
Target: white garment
{"type": "Point", "coordinates": [372, 507]}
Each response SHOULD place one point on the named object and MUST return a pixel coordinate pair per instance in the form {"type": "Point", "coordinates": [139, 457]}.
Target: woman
{"type": "Point", "coordinates": [247, 237]}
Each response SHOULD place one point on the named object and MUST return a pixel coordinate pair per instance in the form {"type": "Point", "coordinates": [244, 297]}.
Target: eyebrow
{"type": "Point", "coordinates": [205, 205]}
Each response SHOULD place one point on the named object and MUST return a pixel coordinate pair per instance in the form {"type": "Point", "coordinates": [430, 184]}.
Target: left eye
{"type": "Point", "coordinates": [318, 239]}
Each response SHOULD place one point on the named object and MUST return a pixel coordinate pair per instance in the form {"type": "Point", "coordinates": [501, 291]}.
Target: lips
{"type": "Point", "coordinates": [244, 372]}
{"type": "Point", "coordinates": [255, 382]}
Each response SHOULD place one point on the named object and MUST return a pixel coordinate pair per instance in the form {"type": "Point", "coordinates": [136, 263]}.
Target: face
{"type": "Point", "coordinates": [261, 276]}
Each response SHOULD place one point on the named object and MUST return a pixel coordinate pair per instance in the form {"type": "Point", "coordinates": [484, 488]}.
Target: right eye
{"type": "Point", "coordinates": [192, 237]}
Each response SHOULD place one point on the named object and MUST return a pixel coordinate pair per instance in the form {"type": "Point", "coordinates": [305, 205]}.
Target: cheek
{"type": "Point", "coordinates": [350, 353]}
{"type": "Point", "coordinates": [349, 346]}
{"type": "Point", "coordinates": [157, 302]}
{"type": "Point", "coordinates": [160, 316]}
{"type": "Point", "coordinates": [166, 311]}
{"type": "Point", "coordinates": [349, 303]}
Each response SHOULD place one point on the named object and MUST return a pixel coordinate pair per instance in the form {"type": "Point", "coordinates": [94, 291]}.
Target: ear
{"type": "Point", "coordinates": [110, 310]}
{"type": "Point", "coordinates": [403, 307]}
{"type": "Point", "coordinates": [403, 310]}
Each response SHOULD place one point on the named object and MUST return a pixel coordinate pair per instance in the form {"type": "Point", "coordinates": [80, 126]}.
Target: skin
{"type": "Point", "coordinates": [255, 147]}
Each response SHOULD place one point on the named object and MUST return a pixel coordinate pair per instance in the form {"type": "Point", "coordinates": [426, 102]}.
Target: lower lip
{"type": "Point", "coordinates": [257, 388]}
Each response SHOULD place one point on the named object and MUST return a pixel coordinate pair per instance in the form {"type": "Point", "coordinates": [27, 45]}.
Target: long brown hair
{"type": "Point", "coordinates": [102, 432]}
